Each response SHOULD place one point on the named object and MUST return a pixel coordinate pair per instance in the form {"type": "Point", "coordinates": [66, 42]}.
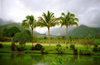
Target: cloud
{"type": "Point", "coordinates": [88, 11]}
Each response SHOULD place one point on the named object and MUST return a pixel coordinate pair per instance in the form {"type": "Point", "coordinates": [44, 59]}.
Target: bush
{"type": "Point", "coordinates": [95, 49]}
{"type": "Point", "coordinates": [1, 46]}
{"type": "Point", "coordinates": [60, 50]}
{"type": "Point", "coordinates": [58, 45]}
{"type": "Point", "coordinates": [32, 48]}
{"type": "Point", "coordinates": [72, 46]}
{"type": "Point", "coordinates": [85, 52]}
{"type": "Point", "coordinates": [38, 46]}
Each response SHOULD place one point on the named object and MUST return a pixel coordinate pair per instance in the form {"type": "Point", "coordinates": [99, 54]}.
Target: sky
{"type": "Point", "coordinates": [87, 11]}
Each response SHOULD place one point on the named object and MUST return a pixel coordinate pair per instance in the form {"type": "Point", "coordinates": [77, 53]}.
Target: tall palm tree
{"type": "Point", "coordinates": [68, 20]}
{"type": "Point", "coordinates": [29, 22]}
{"type": "Point", "coordinates": [47, 20]}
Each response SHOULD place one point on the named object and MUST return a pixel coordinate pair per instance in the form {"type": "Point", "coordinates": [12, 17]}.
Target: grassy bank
{"type": "Point", "coordinates": [51, 49]}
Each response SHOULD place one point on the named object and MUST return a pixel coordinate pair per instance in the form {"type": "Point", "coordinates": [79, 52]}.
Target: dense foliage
{"type": "Point", "coordinates": [23, 37]}
{"type": "Point", "coordinates": [83, 31]}
{"type": "Point", "coordinates": [58, 45]}
{"type": "Point", "coordinates": [10, 32]}
{"type": "Point", "coordinates": [72, 46]}
{"type": "Point", "coordinates": [38, 46]}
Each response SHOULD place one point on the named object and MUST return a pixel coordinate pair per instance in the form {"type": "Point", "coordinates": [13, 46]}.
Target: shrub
{"type": "Point", "coordinates": [72, 46]}
{"type": "Point", "coordinates": [58, 45]}
{"type": "Point", "coordinates": [95, 49]}
{"type": "Point", "coordinates": [38, 46]}
{"type": "Point", "coordinates": [32, 48]}
{"type": "Point", "coordinates": [1, 46]}
{"type": "Point", "coordinates": [43, 51]}
{"type": "Point", "coordinates": [60, 50]}
{"type": "Point", "coordinates": [99, 49]}
{"type": "Point", "coordinates": [45, 37]}
{"type": "Point", "coordinates": [85, 52]}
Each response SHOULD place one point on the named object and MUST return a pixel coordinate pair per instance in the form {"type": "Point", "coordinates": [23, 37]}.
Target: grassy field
{"type": "Point", "coordinates": [46, 46]}
{"type": "Point", "coordinates": [51, 49]}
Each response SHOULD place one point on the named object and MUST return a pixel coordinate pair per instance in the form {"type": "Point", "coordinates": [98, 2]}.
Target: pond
{"type": "Point", "coordinates": [47, 59]}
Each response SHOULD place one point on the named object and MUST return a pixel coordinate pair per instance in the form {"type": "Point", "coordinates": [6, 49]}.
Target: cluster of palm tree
{"type": "Point", "coordinates": [49, 20]}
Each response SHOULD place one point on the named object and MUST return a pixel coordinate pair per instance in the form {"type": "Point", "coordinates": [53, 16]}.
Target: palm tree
{"type": "Point", "coordinates": [47, 20]}
{"type": "Point", "coordinates": [29, 22]}
{"type": "Point", "coordinates": [68, 20]}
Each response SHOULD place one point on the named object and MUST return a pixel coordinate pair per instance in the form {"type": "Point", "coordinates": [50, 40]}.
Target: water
{"type": "Point", "coordinates": [47, 59]}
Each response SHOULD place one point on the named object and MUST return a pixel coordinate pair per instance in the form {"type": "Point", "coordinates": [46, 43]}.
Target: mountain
{"type": "Point", "coordinates": [2, 22]}
{"type": "Point", "coordinates": [83, 31]}
{"type": "Point", "coordinates": [59, 31]}
{"type": "Point", "coordinates": [8, 24]}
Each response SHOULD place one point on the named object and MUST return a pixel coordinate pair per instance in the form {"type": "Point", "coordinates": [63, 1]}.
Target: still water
{"type": "Point", "coordinates": [47, 59]}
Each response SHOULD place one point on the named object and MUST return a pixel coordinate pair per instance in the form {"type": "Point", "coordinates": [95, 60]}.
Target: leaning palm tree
{"type": "Point", "coordinates": [29, 22]}
{"type": "Point", "coordinates": [47, 20]}
{"type": "Point", "coordinates": [68, 20]}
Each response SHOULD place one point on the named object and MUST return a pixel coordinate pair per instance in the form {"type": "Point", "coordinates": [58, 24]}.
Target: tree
{"type": "Point", "coordinates": [47, 20]}
{"type": "Point", "coordinates": [29, 22]}
{"type": "Point", "coordinates": [10, 32]}
{"type": "Point", "coordinates": [68, 20]}
{"type": "Point", "coordinates": [23, 37]}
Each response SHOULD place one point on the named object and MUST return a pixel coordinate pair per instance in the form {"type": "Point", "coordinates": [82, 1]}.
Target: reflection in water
{"type": "Point", "coordinates": [97, 60]}
{"type": "Point", "coordinates": [39, 59]}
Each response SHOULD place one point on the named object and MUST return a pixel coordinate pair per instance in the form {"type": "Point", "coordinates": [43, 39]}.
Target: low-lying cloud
{"type": "Point", "coordinates": [88, 11]}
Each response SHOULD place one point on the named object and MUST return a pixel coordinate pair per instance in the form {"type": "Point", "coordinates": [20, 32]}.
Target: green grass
{"type": "Point", "coordinates": [53, 46]}
{"type": "Point", "coordinates": [46, 46]}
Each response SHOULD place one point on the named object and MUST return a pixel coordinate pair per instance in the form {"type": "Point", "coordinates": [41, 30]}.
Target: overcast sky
{"type": "Point", "coordinates": [88, 11]}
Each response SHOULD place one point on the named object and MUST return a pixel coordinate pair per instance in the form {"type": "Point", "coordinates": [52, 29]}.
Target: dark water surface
{"type": "Point", "coordinates": [47, 59]}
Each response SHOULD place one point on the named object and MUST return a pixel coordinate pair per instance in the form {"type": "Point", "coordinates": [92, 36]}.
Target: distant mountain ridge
{"type": "Point", "coordinates": [2, 22]}
{"type": "Point", "coordinates": [59, 31]}
{"type": "Point", "coordinates": [8, 24]}
{"type": "Point", "coordinates": [81, 31]}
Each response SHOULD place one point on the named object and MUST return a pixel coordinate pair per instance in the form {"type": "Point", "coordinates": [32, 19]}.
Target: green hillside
{"type": "Point", "coordinates": [17, 25]}
{"type": "Point", "coordinates": [83, 31]}
{"type": "Point", "coordinates": [59, 31]}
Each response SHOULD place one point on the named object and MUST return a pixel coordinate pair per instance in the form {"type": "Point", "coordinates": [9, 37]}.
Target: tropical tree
{"type": "Point", "coordinates": [23, 37]}
{"type": "Point", "coordinates": [68, 20]}
{"type": "Point", "coordinates": [47, 20]}
{"type": "Point", "coordinates": [10, 32]}
{"type": "Point", "coordinates": [29, 22]}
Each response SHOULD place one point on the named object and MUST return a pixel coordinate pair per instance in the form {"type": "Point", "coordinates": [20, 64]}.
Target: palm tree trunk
{"type": "Point", "coordinates": [32, 35]}
{"type": "Point", "coordinates": [21, 45]}
{"type": "Point", "coordinates": [66, 34]}
{"type": "Point", "coordinates": [49, 35]}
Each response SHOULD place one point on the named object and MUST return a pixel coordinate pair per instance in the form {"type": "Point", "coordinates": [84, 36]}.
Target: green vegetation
{"type": "Point", "coordinates": [10, 32]}
{"type": "Point", "coordinates": [21, 37]}
{"type": "Point", "coordinates": [47, 20]}
{"type": "Point", "coordinates": [68, 20]}
{"type": "Point", "coordinates": [84, 31]}
{"type": "Point", "coordinates": [38, 46]}
{"type": "Point", "coordinates": [29, 22]}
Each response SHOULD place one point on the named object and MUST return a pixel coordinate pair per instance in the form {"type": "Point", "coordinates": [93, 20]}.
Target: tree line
{"type": "Point", "coordinates": [49, 20]}
{"type": "Point", "coordinates": [46, 20]}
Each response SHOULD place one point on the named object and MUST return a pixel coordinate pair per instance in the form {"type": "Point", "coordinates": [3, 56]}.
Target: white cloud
{"type": "Point", "coordinates": [86, 10]}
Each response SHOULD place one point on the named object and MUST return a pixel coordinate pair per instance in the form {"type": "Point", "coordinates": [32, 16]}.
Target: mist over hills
{"type": "Point", "coordinates": [8, 24]}
{"type": "Point", "coordinates": [2, 22]}
{"type": "Point", "coordinates": [60, 31]}
{"type": "Point", "coordinates": [81, 31]}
